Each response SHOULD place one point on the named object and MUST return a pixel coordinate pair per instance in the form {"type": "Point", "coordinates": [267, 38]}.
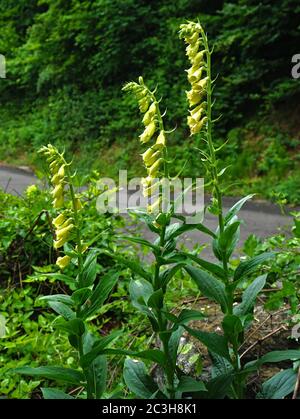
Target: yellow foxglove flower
{"type": "Point", "coordinates": [58, 202]}
{"type": "Point", "coordinates": [196, 75]}
{"type": "Point", "coordinates": [144, 104]}
{"type": "Point", "coordinates": [59, 220]}
{"type": "Point", "coordinates": [149, 114]}
{"type": "Point", "coordinates": [198, 126]}
{"type": "Point", "coordinates": [152, 159]}
{"type": "Point", "coordinates": [192, 49]}
{"type": "Point", "coordinates": [200, 85]}
{"type": "Point", "coordinates": [154, 169]}
{"type": "Point", "coordinates": [61, 172]}
{"type": "Point", "coordinates": [59, 243]}
{"type": "Point", "coordinates": [63, 262]}
{"type": "Point", "coordinates": [148, 133]}
{"type": "Point", "coordinates": [161, 140]}
{"type": "Point", "coordinates": [64, 232]}
{"type": "Point", "coordinates": [194, 97]}
{"type": "Point", "coordinates": [148, 153]}
{"type": "Point", "coordinates": [57, 191]}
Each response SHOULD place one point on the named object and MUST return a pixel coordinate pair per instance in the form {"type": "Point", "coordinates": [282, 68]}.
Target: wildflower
{"type": "Point", "coordinates": [192, 33]}
{"type": "Point", "coordinates": [63, 262]}
{"type": "Point", "coordinates": [153, 157]}
{"type": "Point", "coordinates": [59, 220]}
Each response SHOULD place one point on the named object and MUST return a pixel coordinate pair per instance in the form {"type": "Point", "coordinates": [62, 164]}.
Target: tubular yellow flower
{"type": "Point", "coordinates": [59, 243]}
{"type": "Point", "coordinates": [161, 140]}
{"type": "Point", "coordinates": [58, 202]}
{"type": "Point", "coordinates": [59, 220]}
{"type": "Point", "coordinates": [155, 155]}
{"type": "Point", "coordinates": [64, 232]}
{"type": "Point", "coordinates": [152, 159]}
{"type": "Point", "coordinates": [63, 262]}
{"type": "Point", "coordinates": [192, 33]}
{"type": "Point", "coordinates": [153, 170]}
{"type": "Point", "coordinates": [148, 133]}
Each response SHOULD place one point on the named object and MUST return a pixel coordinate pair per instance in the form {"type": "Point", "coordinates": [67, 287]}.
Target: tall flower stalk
{"type": "Point", "coordinates": [90, 292]}
{"type": "Point", "coordinates": [222, 285]}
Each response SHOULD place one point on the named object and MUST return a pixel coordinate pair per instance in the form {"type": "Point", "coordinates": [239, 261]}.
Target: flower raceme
{"type": "Point", "coordinates": [153, 157]}
{"type": "Point", "coordinates": [64, 223]}
{"type": "Point", "coordinates": [192, 34]}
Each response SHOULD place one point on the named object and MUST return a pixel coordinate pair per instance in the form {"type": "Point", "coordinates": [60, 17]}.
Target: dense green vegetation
{"type": "Point", "coordinates": [66, 62]}
{"type": "Point", "coordinates": [94, 305]}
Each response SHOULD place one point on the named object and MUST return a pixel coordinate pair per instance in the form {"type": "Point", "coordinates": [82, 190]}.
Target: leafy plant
{"type": "Point", "coordinates": [89, 294]}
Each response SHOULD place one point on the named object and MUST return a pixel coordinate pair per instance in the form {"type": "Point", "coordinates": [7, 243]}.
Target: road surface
{"type": "Point", "coordinates": [260, 218]}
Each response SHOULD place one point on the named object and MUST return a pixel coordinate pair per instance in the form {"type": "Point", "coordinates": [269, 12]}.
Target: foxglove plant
{"type": "Point", "coordinates": [218, 281]}
{"type": "Point", "coordinates": [90, 292]}
{"type": "Point", "coordinates": [148, 293]}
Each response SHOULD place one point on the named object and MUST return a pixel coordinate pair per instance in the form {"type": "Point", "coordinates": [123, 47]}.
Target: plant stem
{"type": "Point", "coordinates": [212, 152]}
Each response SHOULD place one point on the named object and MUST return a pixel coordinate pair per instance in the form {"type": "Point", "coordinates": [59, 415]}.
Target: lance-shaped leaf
{"type": "Point", "coordinates": [65, 375]}
{"type": "Point", "coordinates": [100, 294]}
{"type": "Point", "coordinates": [209, 286]}
{"type": "Point", "coordinates": [137, 379]}
{"type": "Point", "coordinates": [235, 208]}
{"type": "Point", "coordinates": [249, 296]}
{"type": "Point", "coordinates": [214, 342]}
{"type": "Point", "coordinates": [249, 266]}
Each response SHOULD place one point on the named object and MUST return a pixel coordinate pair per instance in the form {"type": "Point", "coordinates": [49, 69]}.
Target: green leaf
{"type": "Point", "coordinates": [90, 269]}
{"type": "Point", "coordinates": [249, 296]}
{"type": "Point", "coordinates": [174, 343]}
{"type": "Point", "coordinates": [274, 356]}
{"type": "Point", "coordinates": [233, 329]}
{"type": "Point", "coordinates": [62, 309]}
{"type": "Point", "coordinates": [73, 327]}
{"type": "Point", "coordinates": [176, 229]}
{"type": "Point", "coordinates": [248, 267]}
{"type": "Point", "coordinates": [81, 295]}
{"type": "Point", "coordinates": [190, 385]}
{"type": "Point", "coordinates": [137, 379]}
{"type": "Point", "coordinates": [208, 266]}
{"type": "Point", "coordinates": [141, 241]}
{"type": "Point", "coordinates": [156, 300]}
{"type": "Point", "coordinates": [225, 243]}
{"type": "Point", "coordinates": [57, 298]}
{"type": "Point", "coordinates": [100, 294]}
{"type": "Point", "coordinates": [235, 208]}
{"type": "Point", "coordinates": [221, 366]}
{"type": "Point", "coordinates": [154, 355]}
{"type": "Point", "coordinates": [54, 393]}
{"type": "Point", "coordinates": [65, 375]}
{"type": "Point", "coordinates": [168, 274]}
{"type": "Point", "coordinates": [214, 342]}
{"type": "Point", "coordinates": [97, 348]}
{"type": "Point", "coordinates": [140, 291]}
{"type": "Point", "coordinates": [96, 375]}
{"type": "Point", "coordinates": [185, 316]}
{"type": "Point", "coordinates": [134, 266]}
{"type": "Point", "coordinates": [209, 286]}
{"type": "Point", "coordinates": [219, 386]}
{"type": "Point", "coordinates": [279, 386]}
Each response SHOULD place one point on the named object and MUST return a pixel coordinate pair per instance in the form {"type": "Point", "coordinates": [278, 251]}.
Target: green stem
{"type": "Point", "coordinates": [161, 128]}
{"type": "Point", "coordinates": [237, 386]}
{"type": "Point", "coordinates": [212, 152]}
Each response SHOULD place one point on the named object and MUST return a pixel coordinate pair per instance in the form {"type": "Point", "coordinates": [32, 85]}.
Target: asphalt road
{"type": "Point", "coordinates": [259, 217]}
